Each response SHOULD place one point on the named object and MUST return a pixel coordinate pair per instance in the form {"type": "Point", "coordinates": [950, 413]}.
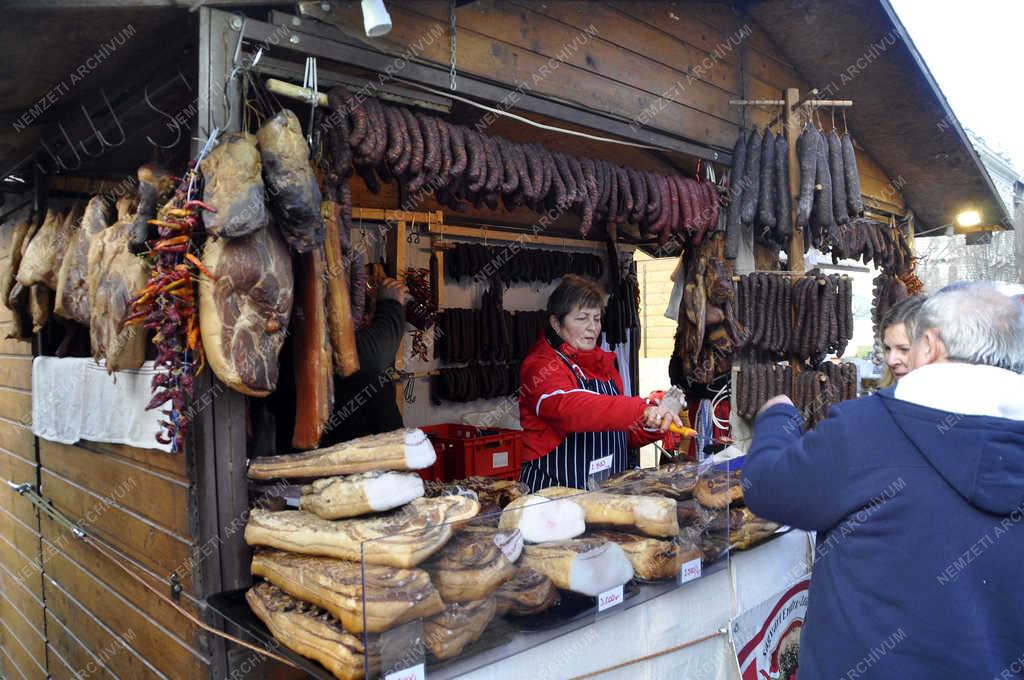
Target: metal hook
{"type": "Point", "coordinates": [846, 130]}
{"type": "Point", "coordinates": [57, 159]}
{"type": "Point", "coordinates": [113, 114]}
{"type": "Point", "coordinates": [309, 81]}
{"type": "Point", "coordinates": [237, 68]}
{"type": "Point", "coordinates": [238, 43]}
{"type": "Point", "coordinates": [95, 133]}
{"type": "Point", "coordinates": [145, 96]}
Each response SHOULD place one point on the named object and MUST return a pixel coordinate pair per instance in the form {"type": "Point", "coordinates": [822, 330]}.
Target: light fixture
{"type": "Point", "coordinates": [376, 20]}
{"type": "Point", "coordinates": [968, 218]}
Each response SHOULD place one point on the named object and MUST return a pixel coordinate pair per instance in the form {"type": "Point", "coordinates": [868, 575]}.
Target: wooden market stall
{"type": "Point", "coordinates": [160, 77]}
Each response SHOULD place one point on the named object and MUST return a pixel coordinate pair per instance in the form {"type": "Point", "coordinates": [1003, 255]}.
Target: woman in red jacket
{"type": "Point", "coordinates": [576, 421]}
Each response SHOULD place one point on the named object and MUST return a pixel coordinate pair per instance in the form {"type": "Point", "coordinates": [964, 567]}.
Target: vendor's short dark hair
{"type": "Point", "coordinates": [575, 291]}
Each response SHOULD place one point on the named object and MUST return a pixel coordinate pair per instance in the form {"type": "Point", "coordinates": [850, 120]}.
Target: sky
{"type": "Point", "coordinates": [976, 52]}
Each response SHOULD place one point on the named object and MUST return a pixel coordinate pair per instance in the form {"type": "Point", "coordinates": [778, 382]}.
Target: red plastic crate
{"type": "Point", "coordinates": [466, 451]}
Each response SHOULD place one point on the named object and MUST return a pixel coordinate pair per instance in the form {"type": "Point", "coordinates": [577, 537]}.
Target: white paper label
{"type": "Point", "coordinates": [417, 672]}
{"type": "Point", "coordinates": [609, 598]}
{"type": "Point", "coordinates": [600, 465]}
{"type": "Point", "coordinates": [499, 459]}
{"type": "Point", "coordinates": [690, 570]}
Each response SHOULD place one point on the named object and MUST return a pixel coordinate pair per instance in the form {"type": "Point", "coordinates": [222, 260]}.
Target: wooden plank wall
{"type": "Point", "coordinates": [136, 500]}
{"type": "Point", "coordinates": [672, 66]}
{"type": "Point", "coordinates": [66, 610]}
{"type": "Point", "coordinates": [22, 618]}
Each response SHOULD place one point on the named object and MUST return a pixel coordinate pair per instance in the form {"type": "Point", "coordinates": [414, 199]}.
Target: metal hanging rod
{"type": "Point", "coordinates": [807, 100]}
{"type": "Point", "coordinates": [782, 102]}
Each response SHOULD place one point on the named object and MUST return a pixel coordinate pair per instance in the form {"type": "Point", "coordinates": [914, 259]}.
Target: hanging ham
{"type": "Point", "coordinates": [243, 314]}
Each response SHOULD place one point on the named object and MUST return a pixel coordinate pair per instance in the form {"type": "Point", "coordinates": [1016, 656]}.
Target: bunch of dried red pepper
{"type": "Point", "coordinates": [167, 306]}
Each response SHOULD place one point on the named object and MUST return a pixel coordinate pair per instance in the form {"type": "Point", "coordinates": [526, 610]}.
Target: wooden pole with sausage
{"type": "Point", "coordinates": [791, 123]}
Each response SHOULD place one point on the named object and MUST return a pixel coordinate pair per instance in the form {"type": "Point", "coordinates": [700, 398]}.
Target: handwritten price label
{"type": "Point", "coordinates": [690, 571]}
{"type": "Point", "coordinates": [417, 672]}
{"type": "Point", "coordinates": [600, 465]}
{"type": "Point", "coordinates": [609, 598]}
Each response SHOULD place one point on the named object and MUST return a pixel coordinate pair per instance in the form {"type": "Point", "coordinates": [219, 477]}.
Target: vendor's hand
{"type": "Point", "coordinates": [775, 401]}
{"type": "Point", "coordinates": [656, 417]}
{"type": "Point", "coordinates": [392, 289]}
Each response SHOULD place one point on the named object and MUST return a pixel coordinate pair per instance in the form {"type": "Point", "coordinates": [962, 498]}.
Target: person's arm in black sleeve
{"type": "Point", "coordinates": [378, 343]}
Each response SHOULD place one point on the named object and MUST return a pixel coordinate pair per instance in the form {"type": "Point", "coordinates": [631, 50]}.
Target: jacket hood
{"type": "Point", "coordinates": [967, 421]}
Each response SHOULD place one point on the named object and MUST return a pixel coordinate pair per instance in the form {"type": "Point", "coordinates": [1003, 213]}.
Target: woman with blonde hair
{"type": "Point", "coordinates": [894, 336]}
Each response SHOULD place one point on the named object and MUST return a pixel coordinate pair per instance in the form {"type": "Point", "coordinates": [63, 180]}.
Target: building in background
{"type": "Point", "coordinates": [949, 258]}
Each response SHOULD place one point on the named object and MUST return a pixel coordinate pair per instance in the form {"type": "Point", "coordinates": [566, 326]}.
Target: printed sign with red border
{"type": "Point", "coordinates": [767, 636]}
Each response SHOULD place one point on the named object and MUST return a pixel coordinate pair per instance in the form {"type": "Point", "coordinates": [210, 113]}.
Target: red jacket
{"type": "Point", "coordinates": [551, 403]}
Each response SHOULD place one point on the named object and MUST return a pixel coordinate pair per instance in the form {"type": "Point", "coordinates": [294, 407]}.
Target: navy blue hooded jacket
{"type": "Point", "coordinates": [919, 566]}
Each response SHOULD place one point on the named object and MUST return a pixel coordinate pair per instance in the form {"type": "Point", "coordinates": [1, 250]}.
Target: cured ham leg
{"type": "Point", "coordinates": [448, 633]}
{"type": "Point", "coordinates": [402, 538]}
{"type": "Point", "coordinates": [312, 632]}
{"type": "Point", "coordinates": [233, 185]}
{"type": "Point", "coordinates": [674, 480]}
{"type": "Point", "coordinates": [42, 259]}
{"type": "Point", "coordinates": [290, 183]}
{"type": "Point", "coordinates": [583, 565]}
{"type": "Point", "coordinates": [14, 295]}
{"type": "Point", "coordinates": [651, 515]}
{"type": "Point", "coordinates": [541, 519]}
{"type": "Point", "coordinates": [362, 494]}
{"type": "Point", "coordinates": [473, 564]}
{"type": "Point", "coordinates": [243, 315]}
{"type": "Point", "coordinates": [653, 559]}
{"type": "Point", "coordinates": [395, 450]}
{"type": "Point", "coordinates": [383, 597]}
{"type": "Point", "coordinates": [72, 300]}
{"type": "Point", "coordinates": [115, 275]}
{"type": "Point", "coordinates": [528, 592]}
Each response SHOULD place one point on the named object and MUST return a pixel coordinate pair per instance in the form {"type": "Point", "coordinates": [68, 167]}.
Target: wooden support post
{"type": "Point", "coordinates": [792, 131]}
{"type": "Point", "coordinates": [216, 449]}
{"type": "Point", "coordinates": [439, 283]}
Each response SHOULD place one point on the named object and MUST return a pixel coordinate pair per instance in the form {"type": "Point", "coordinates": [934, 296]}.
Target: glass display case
{"type": "Point", "coordinates": [476, 571]}
{"type": "Point", "coordinates": [482, 570]}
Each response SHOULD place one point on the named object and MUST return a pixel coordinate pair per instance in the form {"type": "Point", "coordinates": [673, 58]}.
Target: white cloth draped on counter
{"type": "Point", "coordinates": [74, 399]}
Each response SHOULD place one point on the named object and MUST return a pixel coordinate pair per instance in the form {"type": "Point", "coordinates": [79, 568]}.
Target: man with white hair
{"type": "Point", "coordinates": [917, 495]}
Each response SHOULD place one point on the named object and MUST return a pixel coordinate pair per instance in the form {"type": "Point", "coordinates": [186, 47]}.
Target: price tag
{"type": "Point", "coordinates": [609, 598]}
{"type": "Point", "coordinates": [601, 464]}
{"type": "Point", "coordinates": [499, 459]}
{"type": "Point", "coordinates": [690, 570]}
{"type": "Point", "coordinates": [417, 672]}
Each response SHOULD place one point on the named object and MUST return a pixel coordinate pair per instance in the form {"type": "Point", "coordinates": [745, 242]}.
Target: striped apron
{"type": "Point", "coordinates": [582, 457]}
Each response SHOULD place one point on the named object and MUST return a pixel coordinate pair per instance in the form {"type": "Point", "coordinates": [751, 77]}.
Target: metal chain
{"type": "Point", "coordinates": [451, 36]}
